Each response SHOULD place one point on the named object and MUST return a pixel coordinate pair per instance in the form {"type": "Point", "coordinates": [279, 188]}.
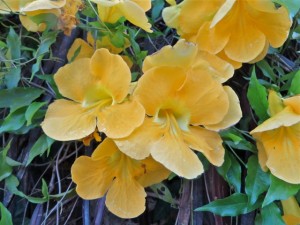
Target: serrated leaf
{"type": "Point", "coordinates": [257, 181]}
{"type": "Point", "coordinates": [295, 85]}
{"type": "Point", "coordinates": [280, 190]}
{"type": "Point", "coordinates": [18, 97]}
{"type": "Point", "coordinates": [40, 147]}
{"type": "Point", "coordinates": [257, 96]}
{"type": "Point", "coordinates": [6, 218]}
{"type": "Point", "coordinates": [271, 215]}
{"type": "Point", "coordinates": [31, 110]}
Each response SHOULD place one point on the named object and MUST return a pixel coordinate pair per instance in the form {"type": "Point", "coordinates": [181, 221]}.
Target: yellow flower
{"type": "Point", "coordinates": [96, 89]}
{"type": "Point", "coordinates": [185, 105]}
{"type": "Point", "coordinates": [121, 178]}
{"type": "Point", "coordinates": [64, 10]}
{"type": "Point", "coordinates": [278, 138]}
{"type": "Point", "coordinates": [238, 30]}
{"type": "Point", "coordinates": [291, 211]}
{"type": "Point", "coordinates": [133, 10]}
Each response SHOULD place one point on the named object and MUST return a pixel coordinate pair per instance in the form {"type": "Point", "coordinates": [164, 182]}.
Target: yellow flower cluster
{"type": "Point", "coordinates": [239, 31]}
{"type": "Point", "coordinates": [178, 106]}
{"type": "Point", "coordinates": [175, 110]}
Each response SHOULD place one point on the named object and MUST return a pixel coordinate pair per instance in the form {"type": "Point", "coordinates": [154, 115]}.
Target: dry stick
{"type": "Point", "coordinates": [183, 215]}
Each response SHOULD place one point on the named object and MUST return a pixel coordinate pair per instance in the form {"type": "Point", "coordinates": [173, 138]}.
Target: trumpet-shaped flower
{"type": "Point", "coordinates": [237, 30]}
{"type": "Point", "coordinates": [64, 10]}
{"type": "Point", "coordinates": [278, 138]}
{"type": "Point", "coordinates": [185, 105]}
{"type": "Point", "coordinates": [97, 90]}
{"type": "Point", "coordinates": [120, 177]}
{"type": "Point", "coordinates": [133, 10]}
{"type": "Point", "coordinates": [291, 211]}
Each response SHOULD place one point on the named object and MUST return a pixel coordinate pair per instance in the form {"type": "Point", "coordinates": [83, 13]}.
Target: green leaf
{"type": "Point", "coordinates": [117, 39]}
{"type": "Point", "coordinates": [266, 69]}
{"type": "Point", "coordinates": [31, 110]}
{"type": "Point", "coordinates": [292, 5]}
{"type": "Point", "coordinates": [295, 85]}
{"type": "Point", "coordinates": [40, 147]}
{"type": "Point", "coordinates": [157, 7]}
{"type": "Point", "coordinates": [5, 168]}
{"type": "Point", "coordinates": [45, 190]}
{"type": "Point", "coordinates": [6, 218]}
{"type": "Point", "coordinates": [234, 173]}
{"type": "Point", "coordinates": [280, 190]}
{"type": "Point", "coordinates": [233, 205]}
{"type": "Point", "coordinates": [18, 97]}
{"type": "Point", "coordinates": [13, 76]}
{"type": "Point", "coordinates": [163, 193]}
{"type": "Point", "coordinates": [257, 96]}
{"type": "Point", "coordinates": [271, 215]}
{"type": "Point", "coordinates": [12, 183]}
{"type": "Point", "coordinates": [257, 181]}
{"type": "Point", "coordinates": [14, 121]}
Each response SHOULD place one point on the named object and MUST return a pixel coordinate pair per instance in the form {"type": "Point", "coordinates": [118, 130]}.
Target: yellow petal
{"type": "Point", "coordinates": [275, 103]}
{"type": "Point", "coordinates": [294, 103]}
{"type": "Point", "coordinates": [282, 148]}
{"type": "Point", "coordinates": [291, 219]}
{"type": "Point", "coordinates": [138, 144]}
{"type": "Point", "coordinates": [220, 69]}
{"type": "Point", "coordinates": [93, 179]}
{"type": "Point", "coordinates": [85, 50]}
{"type": "Point", "coordinates": [246, 42]}
{"type": "Point", "coordinates": [195, 13]}
{"type": "Point", "coordinates": [135, 14]}
{"type": "Point", "coordinates": [161, 83]}
{"type": "Point", "coordinates": [109, 14]}
{"type": "Point", "coordinates": [234, 113]}
{"type": "Point", "coordinates": [154, 172]}
{"type": "Point", "coordinates": [182, 54]}
{"type": "Point", "coordinates": [286, 117]}
{"type": "Point", "coordinates": [263, 6]}
{"type": "Point", "coordinates": [171, 151]}
{"type": "Point", "coordinates": [144, 4]}
{"type": "Point", "coordinates": [205, 98]}
{"type": "Point", "coordinates": [118, 121]}
{"type": "Point", "coordinates": [207, 142]}
{"type": "Point", "coordinates": [291, 206]}
{"type": "Point", "coordinates": [275, 26]}
{"type": "Point", "coordinates": [262, 55]}
{"type": "Point", "coordinates": [113, 72]}
{"type": "Point", "coordinates": [66, 120]}
{"type": "Point", "coordinates": [222, 12]}
{"type": "Point", "coordinates": [126, 198]}
{"type": "Point", "coordinates": [171, 15]}
{"type": "Point", "coordinates": [43, 4]}
{"type": "Point", "coordinates": [6, 6]}
{"type": "Point", "coordinates": [235, 64]}
{"type": "Point", "coordinates": [74, 80]}
{"type": "Point", "coordinates": [105, 3]}
{"type": "Point", "coordinates": [262, 154]}
{"type": "Point", "coordinates": [106, 151]}
{"type": "Point", "coordinates": [212, 40]}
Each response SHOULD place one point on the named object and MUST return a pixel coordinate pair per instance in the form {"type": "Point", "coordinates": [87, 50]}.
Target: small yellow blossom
{"type": "Point", "coordinates": [291, 211]}
{"type": "Point", "coordinates": [133, 10]}
{"type": "Point", "coordinates": [238, 30]}
{"type": "Point", "coordinates": [109, 171]}
{"type": "Point", "coordinates": [278, 138]}
{"type": "Point", "coordinates": [97, 90]}
{"type": "Point", "coordinates": [186, 105]}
